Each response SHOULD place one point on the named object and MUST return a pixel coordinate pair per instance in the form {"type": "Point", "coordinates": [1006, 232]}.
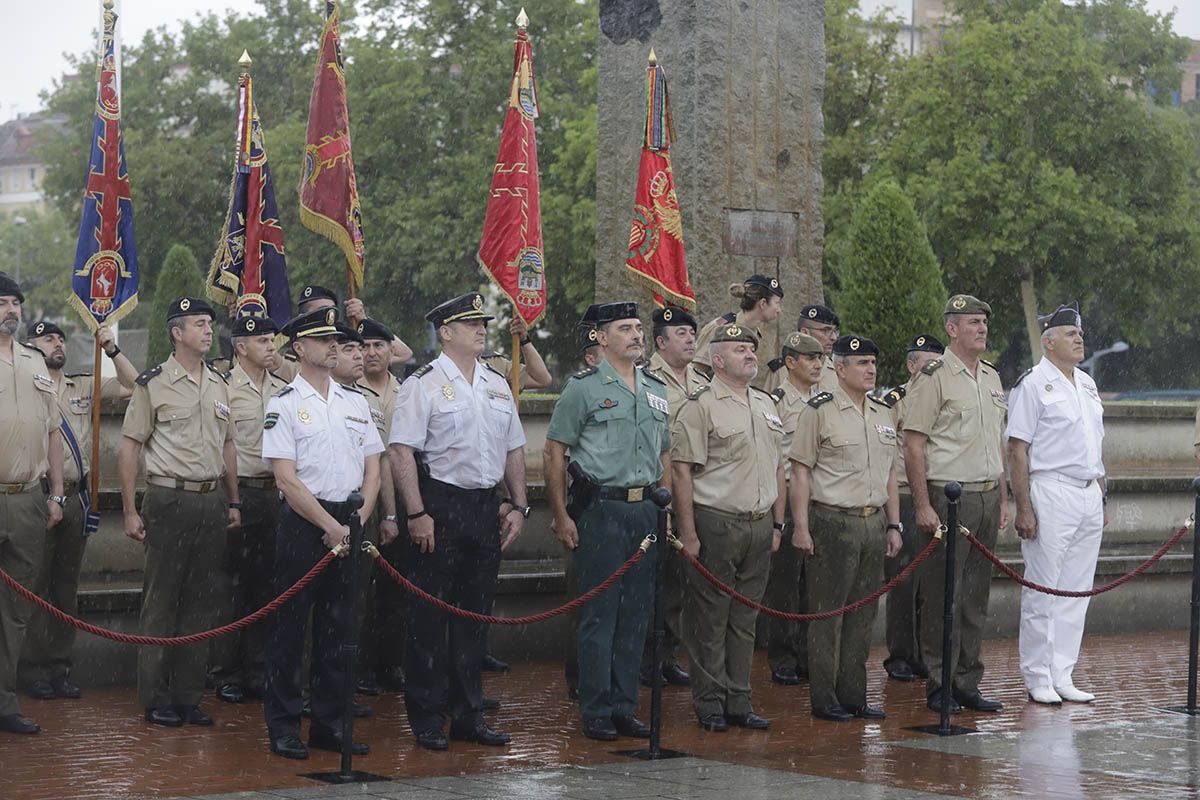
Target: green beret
{"type": "Point", "coordinates": [966, 304]}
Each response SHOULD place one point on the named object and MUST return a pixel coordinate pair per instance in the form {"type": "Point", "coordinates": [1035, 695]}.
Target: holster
{"type": "Point", "coordinates": [581, 493]}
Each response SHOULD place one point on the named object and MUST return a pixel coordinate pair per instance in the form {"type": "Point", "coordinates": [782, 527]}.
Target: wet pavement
{"type": "Point", "coordinates": [1120, 746]}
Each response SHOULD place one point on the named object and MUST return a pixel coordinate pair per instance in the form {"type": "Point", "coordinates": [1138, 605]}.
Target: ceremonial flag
{"type": "Point", "coordinates": [328, 190]}
{"type": "Point", "coordinates": [656, 256]}
{"type": "Point", "coordinates": [104, 279]}
{"type": "Point", "coordinates": [510, 250]}
{"type": "Point", "coordinates": [249, 270]}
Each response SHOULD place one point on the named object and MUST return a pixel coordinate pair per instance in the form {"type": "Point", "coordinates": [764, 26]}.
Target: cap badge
{"type": "Point", "coordinates": [331, 316]}
{"type": "Point", "coordinates": [249, 325]}
{"type": "Point", "coordinates": [447, 391]}
{"type": "Point", "coordinates": [477, 303]}
{"type": "Point", "coordinates": [920, 341]}
{"type": "Point", "coordinates": [774, 283]}
{"type": "Point", "coordinates": [362, 326]}
{"type": "Point", "coordinates": [733, 330]}
{"type": "Point", "coordinates": [592, 335]}
{"type": "Point", "coordinates": [667, 315]}
{"type": "Point", "coordinates": [185, 304]}
{"type": "Point", "coordinates": [41, 326]}
{"type": "Point", "coordinates": [958, 302]}
{"type": "Point", "coordinates": [304, 416]}
{"type": "Point", "coordinates": [812, 313]}
{"type": "Point", "coordinates": [854, 344]}
{"type": "Point", "coordinates": [308, 291]}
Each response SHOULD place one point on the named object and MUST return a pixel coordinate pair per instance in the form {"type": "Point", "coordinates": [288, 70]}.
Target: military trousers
{"type": "Point", "coordinates": [846, 565]}
{"type": "Point", "coordinates": [185, 537]}
{"type": "Point", "coordinates": [719, 631]}
{"type": "Point", "coordinates": [22, 548]}
{"type": "Point", "coordinates": [48, 642]}
{"type": "Point", "coordinates": [612, 627]}
{"type": "Point", "coordinates": [246, 585]}
{"type": "Point", "coordinates": [787, 590]}
{"type": "Point", "coordinates": [900, 605]}
{"type": "Point", "coordinates": [443, 678]}
{"type": "Point", "coordinates": [978, 512]}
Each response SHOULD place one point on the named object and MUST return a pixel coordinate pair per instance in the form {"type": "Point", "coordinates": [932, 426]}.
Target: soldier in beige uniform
{"type": "Point", "coordinates": [46, 658]}
{"type": "Point", "coordinates": [534, 374]}
{"type": "Point", "coordinates": [32, 448]}
{"type": "Point", "coordinates": [760, 303]}
{"type": "Point", "coordinates": [246, 570]}
{"type": "Point", "coordinates": [954, 417]}
{"type": "Point", "coordinates": [822, 324]}
{"type": "Point", "coordinates": [803, 360]}
{"type": "Point", "coordinates": [727, 469]}
{"type": "Point", "coordinates": [179, 416]}
{"type": "Point", "coordinates": [843, 455]}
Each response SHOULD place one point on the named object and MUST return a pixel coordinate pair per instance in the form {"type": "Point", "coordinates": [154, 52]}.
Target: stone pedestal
{"type": "Point", "coordinates": [745, 81]}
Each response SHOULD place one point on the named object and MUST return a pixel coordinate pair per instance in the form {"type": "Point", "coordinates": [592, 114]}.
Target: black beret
{"type": "Point", "coordinates": [924, 343]}
{"type": "Point", "coordinates": [672, 315]}
{"type": "Point", "coordinates": [464, 308]}
{"type": "Point", "coordinates": [854, 346]}
{"type": "Point", "coordinates": [346, 333]}
{"type": "Point", "coordinates": [610, 312]}
{"type": "Point", "coordinates": [43, 328]}
{"type": "Point", "coordinates": [189, 306]}
{"type": "Point", "coordinates": [10, 288]}
{"type": "Point", "coordinates": [770, 284]}
{"type": "Point", "coordinates": [318, 322]}
{"type": "Point", "coordinates": [253, 326]}
{"type": "Point", "coordinates": [314, 292]}
{"type": "Point", "coordinates": [1063, 315]}
{"type": "Point", "coordinates": [370, 329]}
{"type": "Point", "coordinates": [819, 313]}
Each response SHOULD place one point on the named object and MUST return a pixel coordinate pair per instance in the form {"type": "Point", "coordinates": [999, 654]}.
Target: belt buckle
{"type": "Point", "coordinates": [12, 488]}
{"type": "Point", "coordinates": [865, 512]}
{"type": "Point", "coordinates": [635, 495]}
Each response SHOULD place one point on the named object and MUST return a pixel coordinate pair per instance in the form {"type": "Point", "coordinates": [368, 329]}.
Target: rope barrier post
{"type": "Point", "coordinates": [1194, 627]}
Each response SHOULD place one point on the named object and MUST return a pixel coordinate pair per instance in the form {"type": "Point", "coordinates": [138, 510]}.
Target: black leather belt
{"type": "Point", "coordinates": [477, 495]}
{"type": "Point", "coordinates": [633, 494]}
{"type": "Point", "coordinates": [257, 483]}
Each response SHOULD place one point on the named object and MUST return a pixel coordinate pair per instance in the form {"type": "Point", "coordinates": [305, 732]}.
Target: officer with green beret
{"type": "Point", "coordinates": [613, 417]}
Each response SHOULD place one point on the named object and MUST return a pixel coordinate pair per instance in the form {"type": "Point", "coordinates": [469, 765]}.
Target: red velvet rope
{"type": "Point", "coordinates": [169, 641]}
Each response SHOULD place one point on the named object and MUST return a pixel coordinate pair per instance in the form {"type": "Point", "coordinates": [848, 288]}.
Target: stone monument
{"type": "Point", "coordinates": [745, 79]}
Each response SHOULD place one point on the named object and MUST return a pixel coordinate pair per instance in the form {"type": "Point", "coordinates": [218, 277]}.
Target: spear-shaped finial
{"type": "Point", "coordinates": [522, 19]}
{"type": "Point", "coordinates": [244, 61]}
{"type": "Point", "coordinates": [653, 58]}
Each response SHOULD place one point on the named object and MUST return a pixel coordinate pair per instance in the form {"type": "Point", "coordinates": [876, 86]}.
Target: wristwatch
{"type": "Point", "coordinates": [58, 498]}
{"type": "Point", "coordinates": [523, 509]}
{"type": "Point", "coordinates": [898, 527]}
{"type": "Point", "coordinates": [777, 526]}
{"type": "Point", "coordinates": [389, 518]}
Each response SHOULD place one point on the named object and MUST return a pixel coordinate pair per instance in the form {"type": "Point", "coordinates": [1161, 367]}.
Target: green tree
{"type": "Point", "coordinates": [888, 264]}
{"type": "Point", "coordinates": [37, 247]}
{"type": "Point", "coordinates": [180, 275]}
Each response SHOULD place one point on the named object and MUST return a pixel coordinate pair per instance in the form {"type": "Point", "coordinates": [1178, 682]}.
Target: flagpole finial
{"type": "Point", "coordinates": [108, 5]}
{"type": "Point", "coordinates": [653, 58]}
{"type": "Point", "coordinates": [522, 19]}
{"type": "Point", "coordinates": [244, 61]}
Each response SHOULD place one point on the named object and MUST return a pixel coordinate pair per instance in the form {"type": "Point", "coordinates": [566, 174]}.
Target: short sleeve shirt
{"type": "Point", "coordinates": [792, 402]}
{"type": "Point", "coordinates": [75, 405]}
{"type": "Point", "coordinates": [28, 414]}
{"type": "Point", "coordinates": [249, 407]}
{"type": "Point", "coordinates": [1063, 422]}
{"type": "Point", "coordinates": [850, 452]}
{"type": "Point", "coordinates": [386, 404]}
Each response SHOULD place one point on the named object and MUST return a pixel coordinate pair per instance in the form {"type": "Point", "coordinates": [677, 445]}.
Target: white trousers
{"type": "Point", "coordinates": [1070, 523]}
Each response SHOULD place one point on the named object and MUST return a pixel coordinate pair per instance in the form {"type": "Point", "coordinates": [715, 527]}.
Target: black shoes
{"type": "Point", "coordinates": [368, 685]}
{"type": "Point", "coordinates": [977, 702]}
{"type": "Point", "coordinates": [480, 734]}
{"type": "Point", "coordinates": [934, 703]}
{"type": "Point", "coordinates": [785, 676]}
{"type": "Point", "coordinates": [64, 689]}
{"type": "Point", "coordinates": [40, 690]}
{"type": "Point", "coordinates": [713, 723]}
{"type": "Point", "coordinates": [868, 712]}
{"type": "Point", "coordinates": [900, 670]}
{"type": "Point", "coordinates": [165, 716]}
{"type": "Point", "coordinates": [675, 675]}
{"type": "Point", "coordinates": [600, 729]}
{"type": "Point", "coordinates": [492, 664]}
{"type": "Point", "coordinates": [489, 703]}
{"type": "Point", "coordinates": [192, 715]}
{"type": "Point", "coordinates": [432, 740]}
{"type": "Point", "coordinates": [321, 738]}
{"type": "Point", "coordinates": [289, 746]}
{"type": "Point", "coordinates": [749, 720]}
{"type": "Point", "coordinates": [231, 693]}
{"type": "Point", "coordinates": [631, 726]}
{"type": "Point", "coordinates": [18, 723]}
{"type": "Point", "coordinates": [833, 713]}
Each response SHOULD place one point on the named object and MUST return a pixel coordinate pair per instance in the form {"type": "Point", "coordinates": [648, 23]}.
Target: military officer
{"type": "Point", "coordinates": [760, 301]}
{"type": "Point", "coordinates": [460, 417]}
{"type": "Point", "coordinates": [729, 505]}
{"type": "Point", "coordinates": [953, 428]}
{"type": "Point", "coordinates": [249, 558]}
{"type": "Point", "coordinates": [29, 423]}
{"type": "Point", "coordinates": [179, 416]}
{"type": "Point", "coordinates": [320, 442]}
{"type": "Point", "coordinates": [313, 297]}
{"type": "Point", "coordinates": [46, 658]}
{"type": "Point", "coordinates": [613, 418]}
{"type": "Point", "coordinates": [1055, 431]}
{"type": "Point", "coordinates": [803, 360]}
{"type": "Point", "coordinates": [843, 474]}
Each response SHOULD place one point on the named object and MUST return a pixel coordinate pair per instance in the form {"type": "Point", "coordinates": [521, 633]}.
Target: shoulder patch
{"type": "Point", "coordinates": [1021, 377]}
{"type": "Point", "coordinates": [148, 375]}
{"type": "Point", "coordinates": [286, 390]}
{"type": "Point", "coordinates": [891, 398]}
{"type": "Point", "coordinates": [583, 373]}
{"type": "Point", "coordinates": [820, 399]}
{"type": "Point", "coordinates": [932, 366]}
{"type": "Point", "coordinates": [647, 373]}
{"type": "Point", "coordinates": [493, 369]}
{"type": "Point", "coordinates": [775, 364]}
{"type": "Point", "coordinates": [270, 420]}
{"type": "Point", "coordinates": [696, 394]}
{"type": "Point", "coordinates": [778, 394]}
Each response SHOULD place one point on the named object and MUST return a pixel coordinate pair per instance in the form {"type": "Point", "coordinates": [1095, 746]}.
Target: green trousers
{"type": "Point", "coordinates": [787, 642]}
{"type": "Point", "coordinates": [22, 547]}
{"type": "Point", "coordinates": [846, 565]}
{"type": "Point", "coordinates": [48, 642]}
{"type": "Point", "coordinates": [901, 602]}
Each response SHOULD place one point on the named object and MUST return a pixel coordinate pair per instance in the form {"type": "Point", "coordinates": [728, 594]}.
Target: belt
{"type": "Point", "coordinates": [200, 487]}
{"type": "Point", "coordinates": [904, 490]}
{"type": "Point", "coordinates": [19, 488]}
{"type": "Point", "coordinates": [257, 483]}
{"type": "Point", "coordinates": [744, 516]}
{"type": "Point", "coordinates": [1078, 483]}
{"type": "Point", "coordinates": [977, 486]}
{"type": "Point", "coordinates": [856, 511]}
{"type": "Point", "coordinates": [633, 494]}
{"type": "Point", "coordinates": [479, 495]}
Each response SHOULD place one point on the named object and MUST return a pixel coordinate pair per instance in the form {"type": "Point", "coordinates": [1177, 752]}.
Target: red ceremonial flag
{"type": "Point", "coordinates": [510, 250]}
{"type": "Point", "coordinates": [656, 256]}
{"type": "Point", "coordinates": [328, 190]}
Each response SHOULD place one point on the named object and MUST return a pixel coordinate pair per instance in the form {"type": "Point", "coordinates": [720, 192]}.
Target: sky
{"type": "Point", "coordinates": [39, 33]}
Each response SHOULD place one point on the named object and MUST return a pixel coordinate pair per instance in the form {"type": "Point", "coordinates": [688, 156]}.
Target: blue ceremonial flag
{"type": "Point", "coordinates": [104, 279]}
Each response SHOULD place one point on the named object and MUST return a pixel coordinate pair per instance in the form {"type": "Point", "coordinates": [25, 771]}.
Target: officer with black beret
{"type": "Point", "coordinates": [760, 302]}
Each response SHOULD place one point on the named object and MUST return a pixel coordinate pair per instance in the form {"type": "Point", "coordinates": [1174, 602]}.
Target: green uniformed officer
{"type": "Point", "coordinates": [803, 364]}
{"type": "Point", "coordinates": [954, 417]}
{"type": "Point", "coordinates": [179, 416]}
{"type": "Point", "coordinates": [613, 417]}
{"type": "Point", "coordinates": [46, 658]}
{"type": "Point", "coordinates": [760, 300]}
{"type": "Point", "coordinates": [904, 653]}
{"type": "Point", "coordinates": [32, 448]}
{"type": "Point", "coordinates": [245, 575]}
{"type": "Point", "coordinates": [843, 455]}
{"type": "Point", "coordinates": [729, 488]}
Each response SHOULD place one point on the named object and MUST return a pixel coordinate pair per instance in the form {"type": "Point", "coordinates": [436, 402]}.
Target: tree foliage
{"type": "Point", "coordinates": [180, 275]}
{"type": "Point", "coordinates": [36, 248]}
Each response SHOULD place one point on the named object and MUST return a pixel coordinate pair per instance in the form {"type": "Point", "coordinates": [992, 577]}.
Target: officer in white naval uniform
{"type": "Point", "coordinates": [1055, 428]}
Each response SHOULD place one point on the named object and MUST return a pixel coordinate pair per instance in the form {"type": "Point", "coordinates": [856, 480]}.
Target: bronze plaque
{"type": "Point", "coordinates": [769, 234]}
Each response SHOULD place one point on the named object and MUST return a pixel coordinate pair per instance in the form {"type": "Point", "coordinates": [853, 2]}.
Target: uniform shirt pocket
{"type": "Point", "coordinates": [842, 454]}
{"type": "Point", "coordinates": [729, 442]}
{"type": "Point", "coordinates": [615, 421]}
{"type": "Point", "coordinates": [356, 431]}
{"type": "Point", "coordinates": [175, 417]}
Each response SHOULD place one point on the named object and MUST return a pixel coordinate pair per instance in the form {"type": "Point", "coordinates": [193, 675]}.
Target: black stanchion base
{"type": "Point", "coordinates": [1179, 710]}
{"type": "Point", "coordinates": [936, 730]}
{"type": "Point", "coordinates": [355, 776]}
{"type": "Point", "coordinates": [645, 755]}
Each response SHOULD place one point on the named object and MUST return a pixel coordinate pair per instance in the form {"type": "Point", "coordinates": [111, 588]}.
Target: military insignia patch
{"type": "Point", "coordinates": [855, 344]}
{"type": "Point", "coordinates": [812, 313]}
{"type": "Point", "coordinates": [609, 403]}
{"type": "Point", "coordinates": [270, 420]}
{"type": "Point", "coordinates": [733, 330]}
{"type": "Point", "coordinates": [185, 304]}
{"type": "Point", "coordinates": [658, 403]}
{"type": "Point", "coordinates": [959, 302]}
{"type": "Point", "coordinates": [477, 303]}
{"type": "Point", "coordinates": [222, 409]}
{"type": "Point", "coordinates": [249, 326]}
{"type": "Point", "coordinates": [920, 341]}
{"type": "Point", "coordinates": [667, 314]}
{"type": "Point", "coordinates": [592, 335]}
{"type": "Point", "coordinates": [1049, 387]}
{"type": "Point", "coordinates": [447, 391]}
{"type": "Point", "coordinates": [304, 416]}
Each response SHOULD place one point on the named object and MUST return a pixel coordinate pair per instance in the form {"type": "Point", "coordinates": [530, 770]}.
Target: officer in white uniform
{"type": "Point", "coordinates": [1055, 429]}
{"type": "Point", "coordinates": [321, 444]}
{"type": "Point", "coordinates": [455, 436]}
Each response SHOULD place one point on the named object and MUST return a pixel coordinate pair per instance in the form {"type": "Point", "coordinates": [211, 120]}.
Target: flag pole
{"type": "Point", "coordinates": [330, 7]}
{"type": "Point", "coordinates": [514, 374]}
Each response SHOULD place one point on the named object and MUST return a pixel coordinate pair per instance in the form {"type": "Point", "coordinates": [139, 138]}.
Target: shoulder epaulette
{"type": "Point", "coordinates": [148, 375]}
{"type": "Point", "coordinates": [277, 377]}
{"type": "Point", "coordinates": [365, 390]}
{"type": "Point", "coordinates": [647, 373]}
{"type": "Point", "coordinates": [820, 399]}
{"type": "Point", "coordinates": [1021, 377]}
{"type": "Point", "coordinates": [775, 364]}
{"type": "Point", "coordinates": [79, 374]}
{"type": "Point", "coordinates": [493, 369]}
{"type": "Point", "coordinates": [31, 347]}
{"type": "Point", "coordinates": [771, 395]}
{"type": "Point", "coordinates": [583, 373]}
{"type": "Point", "coordinates": [490, 354]}
{"type": "Point", "coordinates": [727, 318]}
{"type": "Point", "coordinates": [932, 366]}
{"type": "Point", "coordinates": [779, 393]}
{"type": "Point", "coordinates": [985, 361]}
{"type": "Point", "coordinates": [350, 387]}
{"type": "Point", "coordinates": [286, 390]}
{"type": "Point", "coordinates": [421, 371]}
{"type": "Point", "coordinates": [696, 394]}
{"type": "Point", "coordinates": [891, 398]}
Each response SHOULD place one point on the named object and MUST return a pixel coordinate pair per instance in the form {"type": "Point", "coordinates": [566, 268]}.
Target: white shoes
{"type": "Point", "coordinates": [1070, 693]}
{"type": "Point", "coordinates": [1046, 696]}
